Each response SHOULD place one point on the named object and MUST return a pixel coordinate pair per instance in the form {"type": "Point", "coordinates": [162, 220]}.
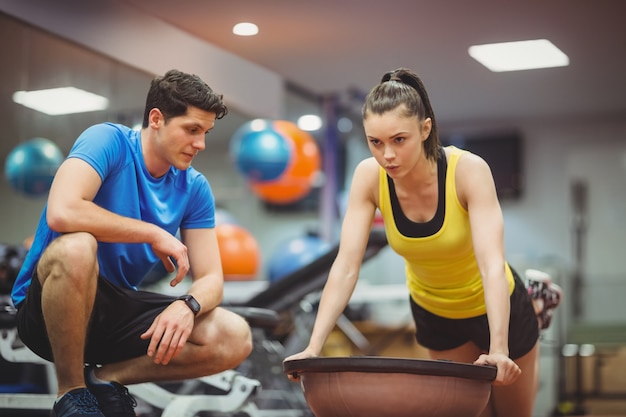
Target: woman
{"type": "Point", "coordinates": [442, 215]}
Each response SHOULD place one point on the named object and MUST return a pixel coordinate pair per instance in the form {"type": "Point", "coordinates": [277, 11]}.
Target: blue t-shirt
{"type": "Point", "coordinates": [179, 199]}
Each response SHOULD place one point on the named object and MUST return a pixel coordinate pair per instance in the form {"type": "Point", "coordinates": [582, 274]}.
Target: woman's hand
{"type": "Point", "coordinates": [508, 371]}
{"type": "Point", "coordinates": [305, 354]}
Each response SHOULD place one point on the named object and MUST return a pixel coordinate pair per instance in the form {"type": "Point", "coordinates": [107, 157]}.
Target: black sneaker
{"type": "Point", "coordinates": [113, 398]}
{"type": "Point", "coordinates": [76, 403]}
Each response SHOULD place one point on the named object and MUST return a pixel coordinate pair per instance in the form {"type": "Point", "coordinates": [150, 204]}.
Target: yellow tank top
{"type": "Point", "coordinates": [441, 269]}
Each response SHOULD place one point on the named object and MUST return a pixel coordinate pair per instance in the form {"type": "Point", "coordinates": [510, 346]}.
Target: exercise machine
{"type": "Point", "coordinates": [281, 317]}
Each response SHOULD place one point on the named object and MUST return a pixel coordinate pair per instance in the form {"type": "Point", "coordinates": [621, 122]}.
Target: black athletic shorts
{"type": "Point", "coordinates": [439, 333]}
{"type": "Point", "coordinates": [119, 317]}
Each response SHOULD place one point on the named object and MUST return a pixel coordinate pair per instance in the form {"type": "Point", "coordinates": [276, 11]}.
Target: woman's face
{"type": "Point", "coordinates": [395, 140]}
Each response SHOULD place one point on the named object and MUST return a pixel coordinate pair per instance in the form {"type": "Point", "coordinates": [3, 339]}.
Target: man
{"type": "Point", "coordinates": [112, 214]}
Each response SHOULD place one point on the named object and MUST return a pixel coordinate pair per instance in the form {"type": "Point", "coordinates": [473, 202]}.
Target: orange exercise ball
{"type": "Point", "coordinates": [239, 252]}
{"type": "Point", "coordinates": [298, 178]}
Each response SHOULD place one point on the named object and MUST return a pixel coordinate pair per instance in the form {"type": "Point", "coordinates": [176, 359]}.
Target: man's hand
{"type": "Point", "coordinates": [169, 332]}
{"type": "Point", "coordinates": [169, 249]}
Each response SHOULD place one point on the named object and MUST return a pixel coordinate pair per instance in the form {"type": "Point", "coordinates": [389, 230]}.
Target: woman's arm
{"type": "Point", "coordinates": [476, 189]}
{"type": "Point", "coordinates": [344, 272]}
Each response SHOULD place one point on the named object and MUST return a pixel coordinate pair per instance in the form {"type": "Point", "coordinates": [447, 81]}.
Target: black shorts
{"type": "Point", "coordinates": [119, 317]}
{"type": "Point", "coordinates": [439, 333]}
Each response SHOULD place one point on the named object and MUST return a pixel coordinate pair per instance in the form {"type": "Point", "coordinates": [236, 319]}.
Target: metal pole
{"type": "Point", "coordinates": [330, 149]}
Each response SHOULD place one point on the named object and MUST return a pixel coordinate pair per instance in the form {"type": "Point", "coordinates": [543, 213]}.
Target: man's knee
{"type": "Point", "coordinates": [239, 337]}
{"type": "Point", "coordinates": [72, 252]}
{"type": "Point", "coordinates": [229, 340]}
{"type": "Point", "coordinates": [71, 243]}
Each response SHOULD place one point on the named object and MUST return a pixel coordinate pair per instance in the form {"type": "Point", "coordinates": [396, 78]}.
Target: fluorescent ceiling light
{"type": "Point", "coordinates": [63, 100]}
{"type": "Point", "coordinates": [517, 56]}
{"type": "Point", "coordinates": [309, 122]}
{"type": "Point", "coordinates": [258, 125]}
{"type": "Point", "coordinates": [245, 29]}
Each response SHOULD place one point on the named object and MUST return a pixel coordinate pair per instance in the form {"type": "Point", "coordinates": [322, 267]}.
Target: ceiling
{"type": "Point", "coordinates": [344, 46]}
{"type": "Point", "coordinates": [335, 46]}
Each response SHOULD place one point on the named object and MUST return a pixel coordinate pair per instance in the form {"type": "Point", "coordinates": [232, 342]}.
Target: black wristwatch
{"type": "Point", "coordinates": [191, 302]}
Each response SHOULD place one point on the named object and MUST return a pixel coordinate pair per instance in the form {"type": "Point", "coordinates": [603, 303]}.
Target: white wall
{"type": "Point", "coordinates": [540, 228]}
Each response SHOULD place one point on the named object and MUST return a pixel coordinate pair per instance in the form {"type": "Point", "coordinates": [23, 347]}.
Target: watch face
{"type": "Point", "coordinates": [191, 302]}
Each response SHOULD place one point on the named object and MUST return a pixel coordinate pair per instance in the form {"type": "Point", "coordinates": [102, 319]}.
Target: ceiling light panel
{"type": "Point", "coordinates": [518, 56]}
{"type": "Point", "coordinates": [63, 100]}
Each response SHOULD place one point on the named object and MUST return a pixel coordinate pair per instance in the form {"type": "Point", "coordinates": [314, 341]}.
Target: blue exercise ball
{"type": "Point", "coordinates": [294, 254]}
{"type": "Point", "coordinates": [259, 151]}
{"type": "Point", "coordinates": [30, 166]}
